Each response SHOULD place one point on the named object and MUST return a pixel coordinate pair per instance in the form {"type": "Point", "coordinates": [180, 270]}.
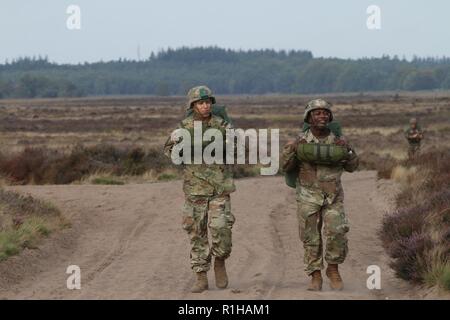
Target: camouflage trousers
{"type": "Point", "coordinates": [199, 213]}
{"type": "Point", "coordinates": [413, 150]}
{"type": "Point", "coordinates": [316, 210]}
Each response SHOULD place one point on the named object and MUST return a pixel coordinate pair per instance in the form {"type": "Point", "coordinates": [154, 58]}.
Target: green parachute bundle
{"type": "Point", "coordinates": [204, 143]}
{"type": "Point", "coordinates": [322, 154]}
{"type": "Point", "coordinates": [219, 111]}
{"type": "Point", "coordinates": [309, 152]}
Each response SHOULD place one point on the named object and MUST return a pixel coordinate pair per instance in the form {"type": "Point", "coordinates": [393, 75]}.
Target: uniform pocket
{"type": "Point", "coordinates": [345, 225]}
{"type": "Point", "coordinates": [195, 215]}
{"type": "Point", "coordinates": [229, 216]}
{"type": "Point", "coordinates": [188, 217]}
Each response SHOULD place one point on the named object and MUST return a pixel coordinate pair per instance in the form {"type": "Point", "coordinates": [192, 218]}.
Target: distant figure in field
{"type": "Point", "coordinates": [414, 134]}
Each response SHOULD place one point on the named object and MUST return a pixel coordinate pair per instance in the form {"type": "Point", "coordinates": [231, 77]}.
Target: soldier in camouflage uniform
{"type": "Point", "coordinates": [207, 189]}
{"type": "Point", "coordinates": [414, 135]}
{"type": "Point", "coordinates": [320, 197]}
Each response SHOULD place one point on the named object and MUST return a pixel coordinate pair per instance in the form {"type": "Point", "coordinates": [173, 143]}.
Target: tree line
{"type": "Point", "coordinates": [174, 71]}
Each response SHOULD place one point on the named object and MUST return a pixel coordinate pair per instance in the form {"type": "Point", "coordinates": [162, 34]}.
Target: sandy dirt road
{"type": "Point", "coordinates": [129, 244]}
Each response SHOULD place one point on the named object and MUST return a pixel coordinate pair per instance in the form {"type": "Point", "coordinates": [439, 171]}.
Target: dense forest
{"type": "Point", "coordinates": [174, 71]}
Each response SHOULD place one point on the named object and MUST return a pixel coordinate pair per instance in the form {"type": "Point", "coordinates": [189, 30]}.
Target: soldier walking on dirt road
{"type": "Point", "coordinates": [318, 157]}
{"type": "Point", "coordinates": [207, 189]}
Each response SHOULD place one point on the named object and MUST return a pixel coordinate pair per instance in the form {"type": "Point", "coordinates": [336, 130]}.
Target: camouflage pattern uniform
{"type": "Point", "coordinates": [320, 197]}
{"type": "Point", "coordinates": [207, 191]}
{"type": "Point", "coordinates": [414, 137]}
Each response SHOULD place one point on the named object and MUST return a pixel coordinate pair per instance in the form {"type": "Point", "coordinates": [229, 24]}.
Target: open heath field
{"type": "Point", "coordinates": [79, 188]}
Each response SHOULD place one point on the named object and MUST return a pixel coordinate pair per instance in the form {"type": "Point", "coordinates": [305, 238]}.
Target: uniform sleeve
{"type": "Point", "coordinates": [289, 160]}
{"type": "Point", "coordinates": [168, 147]}
{"type": "Point", "coordinates": [421, 132]}
{"type": "Point", "coordinates": [170, 142]}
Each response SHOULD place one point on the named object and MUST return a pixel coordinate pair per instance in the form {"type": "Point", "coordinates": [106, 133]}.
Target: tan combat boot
{"type": "Point", "coordinates": [221, 273]}
{"type": "Point", "coordinates": [316, 281]}
{"type": "Point", "coordinates": [201, 284]}
{"type": "Point", "coordinates": [335, 278]}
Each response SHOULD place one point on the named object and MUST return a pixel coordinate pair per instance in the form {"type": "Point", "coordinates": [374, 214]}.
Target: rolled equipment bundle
{"type": "Point", "coordinates": [323, 154]}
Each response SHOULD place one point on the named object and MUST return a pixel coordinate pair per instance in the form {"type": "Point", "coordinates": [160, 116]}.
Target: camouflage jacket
{"type": "Point", "coordinates": [204, 179]}
{"type": "Point", "coordinates": [313, 178]}
{"type": "Point", "coordinates": [414, 136]}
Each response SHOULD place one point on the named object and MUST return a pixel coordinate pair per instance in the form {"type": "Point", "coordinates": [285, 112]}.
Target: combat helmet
{"type": "Point", "coordinates": [200, 93]}
{"type": "Point", "coordinates": [314, 105]}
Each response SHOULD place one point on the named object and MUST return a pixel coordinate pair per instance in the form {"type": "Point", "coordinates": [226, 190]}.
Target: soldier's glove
{"type": "Point", "coordinates": [175, 138]}
{"type": "Point", "coordinates": [341, 142]}
{"type": "Point", "coordinates": [351, 156]}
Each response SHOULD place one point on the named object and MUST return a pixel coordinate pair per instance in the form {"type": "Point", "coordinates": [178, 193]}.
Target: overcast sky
{"type": "Point", "coordinates": [113, 29]}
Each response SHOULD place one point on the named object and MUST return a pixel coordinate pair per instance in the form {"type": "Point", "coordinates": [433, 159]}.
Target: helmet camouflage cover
{"type": "Point", "coordinates": [200, 93]}
{"type": "Point", "coordinates": [317, 104]}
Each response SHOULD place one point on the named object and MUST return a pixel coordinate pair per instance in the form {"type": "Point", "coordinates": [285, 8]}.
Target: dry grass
{"type": "Point", "coordinates": [373, 124]}
{"type": "Point", "coordinates": [149, 176]}
{"type": "Point", "coordinates": [417, 234]}
{"type": "Point", "coordinates": [404, 175]}
{"type": "Point", "coordinates": [49, 166]}
{"type": "Point", "coordinates": [24, 221]}
{"type": "Point", "coordinates": [146, 121]}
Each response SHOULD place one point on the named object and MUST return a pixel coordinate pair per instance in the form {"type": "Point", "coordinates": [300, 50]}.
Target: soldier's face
{"type": "Point", "coordinates": [203, 107]}
{"type": "Point", "coordinates": [413, 125]}
{"type": "Point", "coordinates": [319, 118]}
